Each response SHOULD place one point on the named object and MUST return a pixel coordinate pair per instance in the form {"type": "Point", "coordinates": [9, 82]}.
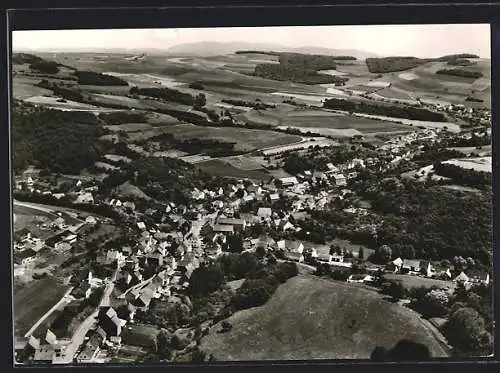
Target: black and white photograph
{"type": "Point", "coordinates": [252, 194]}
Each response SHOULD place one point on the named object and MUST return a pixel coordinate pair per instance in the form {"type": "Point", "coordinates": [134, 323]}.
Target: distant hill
{"type": "Point", "coordinates": [207, 49]}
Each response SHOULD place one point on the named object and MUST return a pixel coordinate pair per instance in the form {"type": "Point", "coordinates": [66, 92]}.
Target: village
{"type": "Point", "coordinates": [158, 263]}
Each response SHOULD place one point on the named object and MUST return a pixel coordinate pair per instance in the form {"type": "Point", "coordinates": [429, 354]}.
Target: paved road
{"type": "Point", "coordinates": [65, 299]}
{"type": "Point", "coordinates": [79, 335]}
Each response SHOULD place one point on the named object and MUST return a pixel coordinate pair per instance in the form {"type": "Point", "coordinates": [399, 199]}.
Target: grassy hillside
{"type": "Point", "coordinates": [310, 318]}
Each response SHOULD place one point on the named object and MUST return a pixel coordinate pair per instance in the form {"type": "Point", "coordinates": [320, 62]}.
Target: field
{"type": "Point", "coordinates": [417, 281]}
{"type": "Point", "coordinates": [218, 167]}
{"type": "Point", "coordinates": [314, 119]}
{"type": "Point", "coordinates": [33, 300]}
{"type": "Point", "coordinates": [129, 127]}
{"type": "Point", "coordinates": [244, 139]}
{"type": "Point", "coordinates": [129, 190]}
{"type": "Point", "coordinates": [311, 318]}
{"type": "Point", "coordinates": [477, 164]}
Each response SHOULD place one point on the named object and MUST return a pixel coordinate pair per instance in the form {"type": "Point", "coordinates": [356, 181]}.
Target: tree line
{"type": "Point", "coordinates": [397, 111]}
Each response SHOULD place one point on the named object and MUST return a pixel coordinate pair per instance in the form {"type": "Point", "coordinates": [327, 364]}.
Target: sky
{"type": "Point", "coordinates": [389, 40]}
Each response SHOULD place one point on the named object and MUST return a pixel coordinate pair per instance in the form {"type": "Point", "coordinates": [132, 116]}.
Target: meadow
{"type": "Point", "coordinates": [310, 318]}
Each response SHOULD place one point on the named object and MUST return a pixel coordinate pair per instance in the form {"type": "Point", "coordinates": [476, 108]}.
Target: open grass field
{"type": "Point", "coordinates": [129, 190]}
{"type": "Point", "coordinates": [245, 162]}
{"type": "Point", "coordinates": [22, 89]}
{"type": "Point", "coordinates": [417, 281]}
{"type": "Point", "coordinates": [244, 139]}
{"type": "Point", "coordinates": [311, 318]}
{"type": "Point", "coordinates": [482, 164]}
{"type": "Point", "coordinates": [33, 300]}
{"type": "Point", "coordinates": [129, 127]}
{"type": "Point", "coordinates": [218, 167]}
{"type": "Point", "coordinates": [107, 99]}
{"type": "Point", "coordinates": [336, 121]}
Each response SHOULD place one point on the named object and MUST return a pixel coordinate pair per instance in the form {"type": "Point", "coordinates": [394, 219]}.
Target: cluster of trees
{"type": "Point", "coordinates": [58, 90]}
{"type": "Point", "coordinates": [473, 99]}
{"type": "Point", "coordinates": [163, 178]}
{"type": "Point", "coordinates": [197, 85]}
{"type": "Point", "coordinates": [93, 78]}
{"type": "Point", "coordinates": [432, 155]}
{"type": "Point", "coordinates": [23, 58]}
{"type": "Point", "coordinates": [261, 285]}
{"type": "Point", "coordinates": [46, 67]}
{"type": "Point", "coordinates": [460, 175]}
{"type": "Point", "coordinates": [397, 111]}
{"type": "Point", "coordinates": [439, 223]}
{"type": "Point", "coordinates": [120, 117]}
{"type": "Point", "coordinates": [475, 140]}
{"type": "Point", "coordinates": [253, 104]}
{"type": "Point", "coordinates": [469, 314]}
{"type": "Point", "coordinates": [391, 64]}
{"type": "Point", "coordinates": [60, 141]}
{"type": "Point", "coordinates": [317, 160]}
{"type": "Point", "coordinates": [461, 72]}
{"type": "Point", "coordinates": [167, 94]}
{"type": "Point", "coordinates": [461, 62]}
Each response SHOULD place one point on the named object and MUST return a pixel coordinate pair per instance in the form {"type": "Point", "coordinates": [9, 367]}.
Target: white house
{"type": "Point", "coordinates": [339, 179]}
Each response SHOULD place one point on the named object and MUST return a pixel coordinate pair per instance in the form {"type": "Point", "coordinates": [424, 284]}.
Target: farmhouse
{"type": "Point", "coordinates": [324, 257]}
{"type": "Point", "coordinates": [220, 228]}
{"type": "Point", "coordinates": [411, 266]}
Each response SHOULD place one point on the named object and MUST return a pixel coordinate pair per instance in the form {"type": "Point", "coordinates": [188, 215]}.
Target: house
{"type": "Point", "coordinates": [336, 258]}
{"type": "Point", "coordinates": [410, 266]}
{"type": "Point", "coordinates": [141, 225]}
{"type": "Point", "coordinates": [62, 246]}
{"type": "Point", "coordinates": [85, 198]}
{"type": "Point", "coordinates": [264, 212]}
{"type": "Point", "coordinates": [91, 348]}
{"type": "Point", "coordinates": [359, 278]}
{"type": "Point", "coordinates": [109, 325]}
{"type": "Point", "coordinates": [220, 228]}
{"type": "Point", "coordinates": [274, 197]}
{"type": "Point", "coordinates": [477, 276]}
{"type": "Point", "coordinates": [286, 225]}
{"type": "Point", "coordinates": [254, 189]}
{"type": "Point", "coordinates": [24, 257]}
{"type": "Point", "coordinates": [294, 256]}
{"type": "Point", "coordinates": [462, 278]}
{"type": "Point", "coordinates": [289, 181]}
{"type": "Point", "coordinates": [339, 179]}
{"type": "Point", "coordinates": [295, 246]}
{"type": "Point", "coordinates": [395, 265]}
{"type": "Point", "coordinates": [426, 268]}
{"type": "Point", "coordinates": [238, 224]}
{"type": "Point", "coordinates": [324, 257]}
{"type": "Point", "coordinates": [331, 168]}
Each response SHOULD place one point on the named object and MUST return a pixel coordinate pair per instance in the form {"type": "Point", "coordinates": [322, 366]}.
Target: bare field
{"type": "Point", "coordinates": [244, 139]}
{"type": "Point", "coordinates": [218, 167]}
{"type": "Point", "coordinates": [129, 190]}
